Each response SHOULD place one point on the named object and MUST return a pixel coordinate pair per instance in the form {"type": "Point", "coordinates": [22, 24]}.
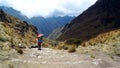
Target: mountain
{"type": "Point", "coordinates": [15, 13]}
{"type": "Point", "coordinates": [41, 24]}
{"type": "Point", "coordinates": [14, 31]}
{"type": "Point", "coordinates": [55, 33]}
{"type": "Point", "coordinates": [44, 25]}
{"type": "Point", "coordinates": [47, 25]}
{"type": "Point", "coordinates": [102, 17]}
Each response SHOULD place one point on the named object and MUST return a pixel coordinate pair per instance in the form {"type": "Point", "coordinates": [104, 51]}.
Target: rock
{"type": "Point", "coordinates": [34, 46]}
{"type": "Point", "coordinates": [39, 57]}
{"type": "Point", "coordinates": [43, 62]}
{"type": "Point", "coordinates": [95, 62]}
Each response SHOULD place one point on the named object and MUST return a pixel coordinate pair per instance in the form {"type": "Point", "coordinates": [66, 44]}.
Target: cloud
{"type": "Point", "coordinates": [48, 8]}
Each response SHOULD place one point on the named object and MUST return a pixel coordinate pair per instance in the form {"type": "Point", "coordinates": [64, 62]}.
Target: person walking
{"type": "Point", "coordinates": [40, 40]}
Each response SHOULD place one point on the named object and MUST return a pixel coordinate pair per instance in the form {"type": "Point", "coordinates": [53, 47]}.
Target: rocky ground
{"type": "Point", "coordinates": [49, 58]}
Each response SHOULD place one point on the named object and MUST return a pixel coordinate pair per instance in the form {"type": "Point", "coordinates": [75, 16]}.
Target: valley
{"type": "Point", "coordinates": [90, 40]}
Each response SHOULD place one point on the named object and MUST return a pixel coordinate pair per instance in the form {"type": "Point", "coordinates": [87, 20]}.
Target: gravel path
{"type": "Point", "coordinates": [49, 58]}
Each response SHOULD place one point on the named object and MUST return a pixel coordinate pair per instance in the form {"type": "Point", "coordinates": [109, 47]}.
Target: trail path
{"type": "Point", "coordinates": [49, 58]}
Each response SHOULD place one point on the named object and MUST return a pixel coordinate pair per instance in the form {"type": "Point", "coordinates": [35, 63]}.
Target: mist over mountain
{"type": "Point", "coordinates": [45, 8]}
{"type": "Point", "coordinates": [44, 25]}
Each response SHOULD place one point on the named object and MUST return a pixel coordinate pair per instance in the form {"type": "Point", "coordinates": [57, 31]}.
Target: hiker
{"type": "Point", "coordinates": [40, 40]}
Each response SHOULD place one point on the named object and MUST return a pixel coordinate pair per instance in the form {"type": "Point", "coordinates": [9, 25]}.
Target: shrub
{"type": "Point", "coordinates": [69, 41]}
{"type": "Point", "coordinates": [73, 41]}
{"type": "Point", "coordinates": [45, 45]}
{"type": "Point", "coordinates": [72, 49]}
{"type": "Point", "coordinates": [19, 50]}
{"type": "Point", "coordinates": [3, 39]}
{"type": "Point", "coordinates": [92, 56]}
{"type": "Point", "coordinates": [77, 42]}
{"type": "Point", "coordinates": [10, 65]}
{"type": "Point", "coordinates": [59, 47]}
{"type": "Point", "coordinates": [118, 55]}
{"type": "Point", "coordinates": [65, 47]}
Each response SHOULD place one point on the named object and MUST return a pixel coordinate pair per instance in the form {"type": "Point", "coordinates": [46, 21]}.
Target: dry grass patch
{"type": "Point", "coordinates": [72, 49]}
{"type": "Point", "coordinates": [19, 50]}
{"type": "Point", "coordinates": [10, 65]}
{"type": "Point", "coordinates": [93, 56]}
{"type": "Point", "coordinates": [60, 47]}
{"type": "Point", "coordinates": [45, 45]}
{"type": "Point", "coordinates": [72, 41]}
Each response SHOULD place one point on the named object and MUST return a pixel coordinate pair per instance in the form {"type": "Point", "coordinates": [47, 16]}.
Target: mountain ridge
{"type": "Point", "coordinates": [100, 18]}
{"type": "Point", "coordinates": [15, 13]}
{"type": "Point", "coordinates": [47, 25]}
{"type": "Point", "coordinates": [44, 25]}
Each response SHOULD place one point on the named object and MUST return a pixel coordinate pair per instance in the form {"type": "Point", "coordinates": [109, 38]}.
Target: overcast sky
{"type": "Point", "coordinates": [48, 8]}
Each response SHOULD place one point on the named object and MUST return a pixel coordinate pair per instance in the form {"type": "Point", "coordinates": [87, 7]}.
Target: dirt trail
{"type": "Point", "coordinates": [49, 58]}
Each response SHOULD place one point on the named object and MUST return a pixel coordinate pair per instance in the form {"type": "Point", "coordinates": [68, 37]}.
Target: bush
{"type": "Point", "coordinates": [3, 39]}
{"type": "Point", "coordinates": [72, 49]}
{"type": "Point", "coordinates": [73, 41]}
{"type": "Point", "coordinates": [59, 47]}
{"type": "Point", "coordinates": [65, 47]}
{"type": "Point", "coordinates": [10, 65]}
{"type": "Point", "coordinates": [45, 45]}
{"type": "Point", "coordinates": [92, 56]}
{"type": "Point", "coordinates": [77, 42]}
{"type": "Point", "coordinates": [19, 50]}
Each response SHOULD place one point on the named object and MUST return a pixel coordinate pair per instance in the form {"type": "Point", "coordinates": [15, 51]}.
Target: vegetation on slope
{"type": "Point", "coordinates": [14, 31]}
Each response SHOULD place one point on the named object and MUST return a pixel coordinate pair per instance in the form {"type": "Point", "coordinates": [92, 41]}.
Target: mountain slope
{"type": "Point", "coordinates": [15, 13]}
{"type": "Point", "coordinates": [102, 17]}
{"type": "Point", "coordinates": [14, 31]}
{"type": "Point", "coordinates": [44, 25]}
{"type": "Point", "coordinates": [55, 33]}
{"type": "Point", "coordinates": [47, 25]}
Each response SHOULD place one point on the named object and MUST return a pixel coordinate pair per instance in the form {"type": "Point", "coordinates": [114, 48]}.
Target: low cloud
{"type": "Point", "coordinates": [48, 8]}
